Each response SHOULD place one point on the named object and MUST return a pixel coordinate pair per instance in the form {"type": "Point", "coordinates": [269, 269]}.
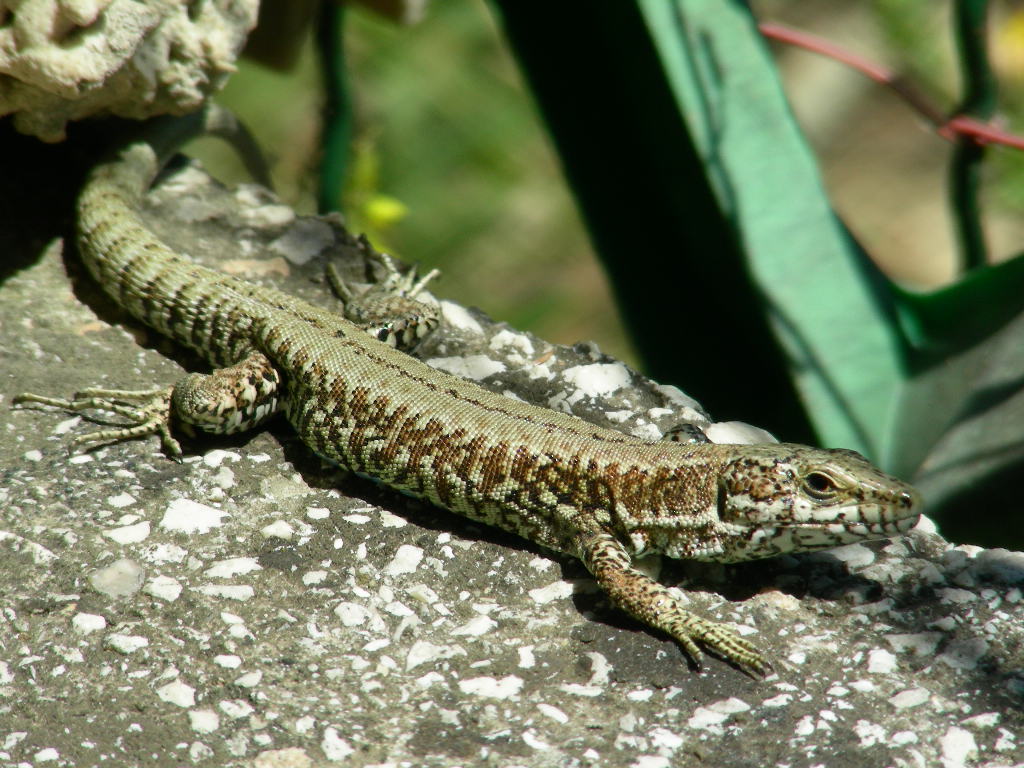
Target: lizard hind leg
{"type": "Point", "coordinates": [653, 604]}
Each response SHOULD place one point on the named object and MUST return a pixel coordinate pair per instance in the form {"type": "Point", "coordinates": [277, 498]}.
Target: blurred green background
{"type": "Point", "coordinates": [452, 168]}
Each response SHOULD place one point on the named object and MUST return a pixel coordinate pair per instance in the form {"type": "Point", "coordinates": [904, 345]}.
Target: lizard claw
{"type": "Point", "coordinates": [145, 412]}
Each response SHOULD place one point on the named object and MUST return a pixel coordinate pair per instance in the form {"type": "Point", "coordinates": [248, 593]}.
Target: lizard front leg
{"type": "Point", "coordinates": [389, 310]}
{"type": "Point", "coordinates": [652, 603]}
{"type": "Point", "coordinates": [228, 400]}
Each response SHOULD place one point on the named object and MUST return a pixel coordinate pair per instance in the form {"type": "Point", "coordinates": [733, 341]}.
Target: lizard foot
{"type": "Point", "coordinates": [656, 606]}
{"type": "Point", "coordinates": [688, 630]}
{"type": "Point", "coordinates": [146, 412]}
{"type": "Point", "coordinates": [389, 309]}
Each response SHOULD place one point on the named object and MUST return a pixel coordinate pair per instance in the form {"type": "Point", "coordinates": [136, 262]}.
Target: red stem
{"type": "Point", "coordinates": [951, 129]}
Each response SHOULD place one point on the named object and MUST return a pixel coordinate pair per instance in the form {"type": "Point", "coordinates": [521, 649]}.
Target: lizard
{"type": "Point", "coordinates": [353, 398]}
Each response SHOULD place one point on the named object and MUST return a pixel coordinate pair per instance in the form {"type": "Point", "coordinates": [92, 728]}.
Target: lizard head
{"type": "Point", "coordinates": [780, 498]}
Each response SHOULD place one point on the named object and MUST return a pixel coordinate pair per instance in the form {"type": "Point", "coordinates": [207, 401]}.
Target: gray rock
{"type": "Point", "coordinates": [292, 614]}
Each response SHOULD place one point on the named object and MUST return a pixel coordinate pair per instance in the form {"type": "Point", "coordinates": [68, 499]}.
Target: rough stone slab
{"type": "Point", "coordinates": [306, 616]}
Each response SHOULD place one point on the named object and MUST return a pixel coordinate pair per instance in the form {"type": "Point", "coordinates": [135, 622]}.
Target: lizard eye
{"type": "Point", "coordinates": [820, 486]}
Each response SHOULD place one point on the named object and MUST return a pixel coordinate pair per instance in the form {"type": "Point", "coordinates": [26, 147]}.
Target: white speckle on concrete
{"type": "Point", "coordinates": [533, 741]}
{"type": "Point", "coordinates": [215, 457]}
{"type": "Point", "coordinates": [854, 555]}
{"type": "Point", "coordinates": [165, 553]}
{"type": "Point", "coordinates": [881, 662]}
{"type": "Point", "coordinates": [125, 643]}
{"type": "Point", "coordinates": [129, 534]}
{"type": "Point", "coordinates": [190, 516]}
{"type": "Point", "coordinates": [312, 578]}
{"type": "Point", "coordinates": [900, 738]}
{"type": "Point", "coordinates": [203, 720]}
{"type": "Point", "coordinates": [241, 592]}
{"type": "Point", "coordinates": [804, 726]}
{"type": "Point", "coordinates": [912, 697]}
{"type": "Point", "coordinates": [303, 240]}
{"type": "Point", "coordinates": [730, 706]}
{"type": "Point", "coordinates": [964, 654]}
{"type": "Point", "coordinates": [46, 755]}
{"type": "Point", "coordinates": [984, 720]}
{"type": "Point", "coordinates": [472, 367]}
{"type": "Point", "coordinates": [84, 623]}
{"type": "Point", "coordinates": [121, 500]}
{"type": "Point", "coordinates": [163, 588]}
{"type": "Point", "coordinates": [249, 679]}
{"type": "Point", "coordinates": [33, 455]}
{"type": "Point", "coordinates": [269, 215]}
{"type": "Point", "coordinates": [232, 566]}
{"type": "Point", "coordinates": [429, 679]}
{"type": "Point", "coordinates": [357, 615]}
{"type": "Point", "coordinates": [356, 519]}
{"type": "Point", "coordinates": [600, 669]}
{"type": "Point", "coordinates": [945, 624]}
{"type": "Point", "coordinates": [664, 739]}
{"type": "Point", "coordinates": [651, 761]}
{"type": "Point", "coordinates": [869, 733]}
{"type": "Point", "coordinates": [517, 341]}
{"type": "Point", "coordinates": [335, 748]}
{"type": "Point", "coordinates": [279, 529]}
{"type": "Point", "coordinates": [921, 643]}
{"type": "Point", "coordinates": [597, 379]}
{"type": "Point", "coordinates": [228, 660]}
{"type": "Point", "coordinates": [641, 695]}
{"type": "Point", "coordinates": [782, 700]}
{"type": "Point", "coordinates": [290, 757]}
{"type": "Point", "coordinates": [475, 627]}
{"type": "Point", "coordinates": [224, 478]}
{"type": "Point", "coordinates": [423, 652]}
{"type": "Point", "coordinates": [553, 712]}
{"type": "Point", "coordinates": [953, 595]}
{"type": "Point", "coordinates": [1006, 742]}
{"type": "Point", "coordinates": [406, 560]}
{"type": "Point", "coordinates": [704, 718]}
{"type": "Point", "coordinates": [926, 525]}
{"type": "Point", "coordinates": [399, 609]}
{"type": "Point", "coordinates": [318, 513]}
{"type": "Point", "coordinates": [646, 432]}
{"type": "Point", "coordinates": [526, 658]}
{"type": "Point", "coordinates": [391, 520]}
{"type": "Point", "coordinates": [423, 594]}
{"type": "Point", "coordinates": [556, 590]}
{"type": "Point", "coordinates": [958, 746]}
{"type": "Point", "coordinates": [235, 708]}
{"type": "Point", "coordinates": [491, 688]}
{"type": "Point", "coordinates": [737, 433]}
{"type": "Point", "coordinates": [459, 317]}
{"type": "Point", "coordinates": [199, 752]}
{"type": "Point", "coordinates": [177, 693]}
{"type": "Point", "coordinates": [119, 579]}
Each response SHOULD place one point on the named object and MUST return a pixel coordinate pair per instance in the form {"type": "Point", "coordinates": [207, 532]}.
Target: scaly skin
{"type": "Point", "coordinates": [597, 494]}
